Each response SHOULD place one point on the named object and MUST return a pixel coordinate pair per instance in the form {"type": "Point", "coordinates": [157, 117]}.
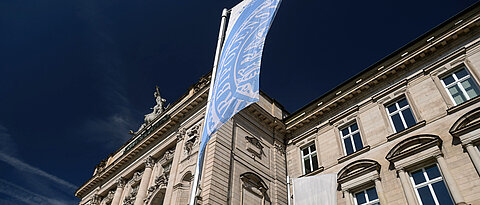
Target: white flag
{"type": "Point", "coordinates": [315, 190]}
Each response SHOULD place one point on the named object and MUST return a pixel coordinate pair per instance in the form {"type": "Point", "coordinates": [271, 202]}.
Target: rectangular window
{"type": "Point", "coordinates": [367, 197]}
{"type": "Point", "coordinates": [430, 187]}
{"type": "Point", "coordinates": [351, 139]}
{"type": "Point", "coordinates": [309, 156]}
{"type": "Point", "coordinates": [460, 86]}
{"type": "Point", "coordinates": [401, 115]}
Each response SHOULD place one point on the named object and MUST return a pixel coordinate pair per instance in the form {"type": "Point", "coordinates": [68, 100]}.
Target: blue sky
{"type": "Point", "coordinates": [77, 75]}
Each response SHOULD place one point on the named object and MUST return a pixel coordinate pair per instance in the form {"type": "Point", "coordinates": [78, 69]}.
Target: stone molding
{"type": "Point", "coordinates": [358, 173]}
{"type": "Point", "coordinates": [414, 150]}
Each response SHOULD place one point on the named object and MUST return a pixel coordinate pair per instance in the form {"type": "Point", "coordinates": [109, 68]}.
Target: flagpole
{"type": "Point", "coordinates": [221, 36]}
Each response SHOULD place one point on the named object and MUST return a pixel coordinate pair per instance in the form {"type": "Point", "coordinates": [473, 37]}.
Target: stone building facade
{"type": "Point", "coordinates": [404, 131]}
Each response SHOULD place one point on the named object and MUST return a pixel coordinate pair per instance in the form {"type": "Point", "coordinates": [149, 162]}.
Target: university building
{"type": "Point", "coordinates": [404, 131]}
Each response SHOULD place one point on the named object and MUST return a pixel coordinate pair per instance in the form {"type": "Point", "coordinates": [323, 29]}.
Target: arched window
{"type": "Point", "coordinates": [254, 190]}
{"type": "Point", "coordinates": [423, 171]}
{"type": "Point", "coordinates": [467, 130]}
{"type": "Point", "coordinates": [360, 182]}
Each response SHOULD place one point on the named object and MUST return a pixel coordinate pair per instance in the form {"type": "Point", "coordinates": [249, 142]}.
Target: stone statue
{"type": "Point", "coordinates": [157, 110]}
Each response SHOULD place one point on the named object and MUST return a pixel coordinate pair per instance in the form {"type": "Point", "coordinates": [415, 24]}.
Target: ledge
{"type": "Point", "coordinates": [350, 156]}
{"type": "Point", "coordinates": [405, 131]}
{"type": "Point", "coordinates": [320, 169]}
{"type": "Point", "coordinates": [463, 105]}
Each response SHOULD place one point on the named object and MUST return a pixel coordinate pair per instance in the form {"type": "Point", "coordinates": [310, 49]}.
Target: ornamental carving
{"type": "Point", "coordinates": [108, 199]}
{"type": "Point", "coordinates": [280, 148]}
{"type": "Point", "coordinates": [137, 177]}
{"type": "Point", "coordinates": [160, 183]}
{"type": "Point", "coordinates": [100, 166]}
{"type": "Point", "coordinates": [149, 162]}
{"type": "Point", "coordinates": [167, 157]}
{"type": "Point", "coordinates": [180, 134]}
{"type": "Point", "coordinates": [254, 146]}
{"type": "Point", "coordinates": [120, 182]}
{"type": "Point", "coordinates": [204, 81]}
{"type": "Point", "coordinates": [192, 136]}
{"type": "Point", "coordinates": [130, 198]}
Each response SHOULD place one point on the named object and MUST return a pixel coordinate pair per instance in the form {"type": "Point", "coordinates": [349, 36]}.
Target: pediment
{"type": "Point", "coordinates": [468, 122]}
{"type": "Point", "coordinates": [413, 145]}
{"type": "Point", "coordinates": [357, 168]}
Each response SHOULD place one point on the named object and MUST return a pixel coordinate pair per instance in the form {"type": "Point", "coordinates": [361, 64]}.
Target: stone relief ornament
{"type": "Point", "coordinates": [180, 134]}
{"type": "Point", "coordinates": [137, 176]}
{"type": "Point", "coordinates": [254, 146]}
{"type": "Point", "coordinates": [149, 162]}
{"type": "Point", "coordinates": [108, 199]}
{"type": "Point", "coordinates": [204, 81]}
{"type": "Point", "coordinates": [120, 182]}
{"type": "Point", "coordinates": [130, 198]}
{"type": "Point", "coordinates": [160, 183]}
{"type": "Point", "coordinates": [167, 157]}
{"type": "Point", "coordinates": [157, 110]}
{"type": "Point", "coordinates": [192, 136]}
{"type": "Point", "coordinates": [280, 148]}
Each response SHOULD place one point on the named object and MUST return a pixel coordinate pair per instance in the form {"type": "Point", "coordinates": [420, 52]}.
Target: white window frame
{"type": "Point", "coordinates": [366, 196]}
{"type": "Point", "coordinates": [458, 83]}
{"type": "Point", "coordinates": [350, 135]}
{"type": "Point", "coordinates": [428, 183]}
{"type": "Point", "coordinates": [309, 155]}
{"type": "Point", "coordinates": [399, 111]}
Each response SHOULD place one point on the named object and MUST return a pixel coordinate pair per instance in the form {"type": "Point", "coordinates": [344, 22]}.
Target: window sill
{"type": "Point", "coordinates": [405, 131]}
{"type": "Point", "coordinates": [350, 156]}
{"type": "Point", "coordinates": [320, 169]}
{"type": "Point", "coordinates": [463, 105]}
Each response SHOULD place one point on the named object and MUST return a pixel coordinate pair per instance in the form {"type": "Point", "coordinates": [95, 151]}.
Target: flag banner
{"type": "Point", "coordinates": [315, 190]}
{"type": "Point", "coordinates": [236, 83]}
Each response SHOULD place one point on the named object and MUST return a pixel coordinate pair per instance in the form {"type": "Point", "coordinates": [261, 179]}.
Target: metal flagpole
{"type": "Point", "coordinates": [221, 36]}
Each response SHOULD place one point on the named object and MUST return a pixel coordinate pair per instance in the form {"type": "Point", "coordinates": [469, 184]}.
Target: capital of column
{"type": "Point", "coordinates": [149, 162]}
{"type": "Point", "coordinates": [120, 182]}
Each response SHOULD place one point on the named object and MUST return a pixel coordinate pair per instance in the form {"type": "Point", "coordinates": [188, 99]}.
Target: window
{"type": "Point", "coordinates": [430, 187]}
{"type": "Point", "coordinates": [460, 86]}
{"type": "Point", "coordinates": [309, 156]}
{"type": "Point", "coordinates": [351, 139]}
{"type": "Point", "coordinates": [367, 197]}
{"type": "Point", "coordinates": [401, 115]}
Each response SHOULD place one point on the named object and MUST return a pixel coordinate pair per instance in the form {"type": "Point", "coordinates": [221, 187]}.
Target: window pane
{"type": "Point", "coordinates": [392, 108]}
{"type": "Point", "coordinates": [448, 80]}
{"type": "Point", "coordinates": [306, 162]}
{"type": "Point", "coordinates": [348, 145]}
{"type": "Point", "coordinates": [358, 141]}
{"type": "Point", "coordinates": [345, 132]}
{"type": "Point", "coordinates": [457, 94]}
{"type": "Point", "coordinates": [403, 102]}
{"type": "Point", "coordinates": [397, 122]}
{"type": "Point", "coordinates": [408, 116]}
{"type": "Point", "coordinates": [442, 193]}
{"type": "Point", "coordinates": [461, 73]}
{"type": "Point", "coordinates": [360, 198]}
{"type": "Point", "coordinates": [354, 127]}
{"type": "Point", "coordinates": [305, 151]}
{"type": "Point", "coordinates": [418, 177]}
{"type": "Point", "coordinates": [314, 162]}
{"type": "Point", "coordinates": [426, 196]}
{"type": "Point", "coordinates": [471, 88]}
{"type": "Point", "coordinates": [372, 194]}
{"type": "Point", "coordinates": [432, 172]}
{"type": "Point", "coordinates": [312, 148]}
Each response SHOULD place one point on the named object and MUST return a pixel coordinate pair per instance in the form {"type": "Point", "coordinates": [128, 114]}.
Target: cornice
{"type": "Point", "coordinates": [179, 110]}
{"type": "Point", "coordinates": [373, 75]}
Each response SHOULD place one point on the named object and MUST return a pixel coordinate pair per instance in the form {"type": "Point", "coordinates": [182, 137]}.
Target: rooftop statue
{"type": "Point", "coordinates": [157, 110]}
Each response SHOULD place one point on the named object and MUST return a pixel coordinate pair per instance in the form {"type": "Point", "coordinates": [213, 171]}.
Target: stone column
{"type": "Point", "coordinates": [348, 198]}
{"type": "Point", "coordinates": [143, 187]}
{"type": "Point", "coordinates": [379, 188]}
{"type": "Point", "coordinates": [169, 192]}
{"type": "Point", "coordinates": [118, 193]}
{"type": "Point", "coordinates": [450, 181]}
{"type": "Point", "coordinates": [407, 189]}
{"type": "Point", "coordinates": [474, 155]}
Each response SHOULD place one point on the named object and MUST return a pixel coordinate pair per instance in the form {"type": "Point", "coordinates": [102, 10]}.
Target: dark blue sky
{"type": "Point", "coordinates": [77, 75]}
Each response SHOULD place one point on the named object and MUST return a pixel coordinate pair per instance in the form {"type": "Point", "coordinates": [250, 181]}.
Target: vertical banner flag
{"type": "Point", "coordinates": [236, 82]}
{"type": "Point", "coordinates": [315, 190]}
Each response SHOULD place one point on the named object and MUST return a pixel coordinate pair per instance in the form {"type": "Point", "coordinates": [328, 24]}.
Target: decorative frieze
{"type": "Point", "coordinates": [108, 199]}
{"type": "Point", "coordinates": [130, 198]}
{"type": "Point", "coordinates": [167, 157]}
{"type": "Point", "coordinates": [192, 135]}
{"type": "Point", "coordinates": [120, 182]}
{"type": "Point", "coordinates": [149, 162]}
